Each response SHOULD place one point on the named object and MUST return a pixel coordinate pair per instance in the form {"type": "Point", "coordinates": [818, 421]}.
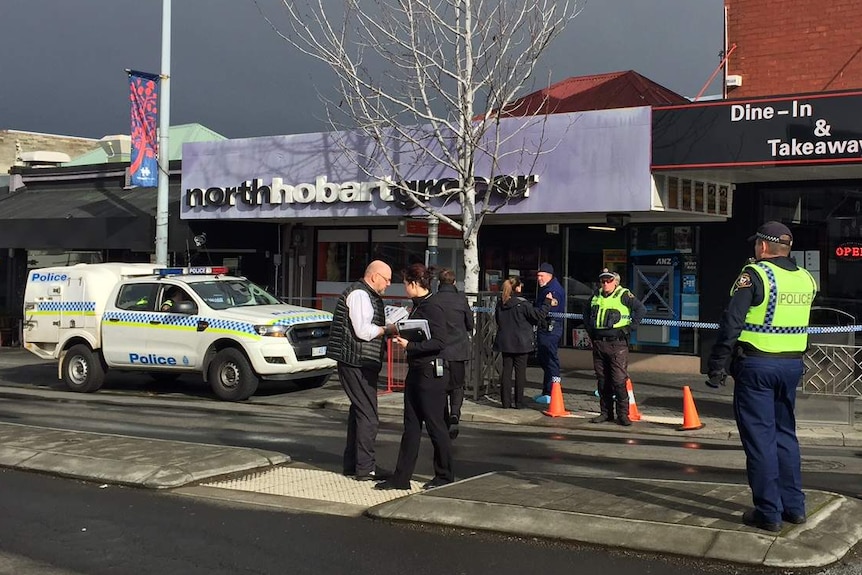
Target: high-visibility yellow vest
{"type": "Point", "coordinates": [780, 323]}
{"type": "Point", "coordinates": [603, 306]}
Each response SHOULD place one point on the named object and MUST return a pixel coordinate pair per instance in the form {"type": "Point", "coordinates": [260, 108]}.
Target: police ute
{"type": "Point", "coordinates": [168, 322]}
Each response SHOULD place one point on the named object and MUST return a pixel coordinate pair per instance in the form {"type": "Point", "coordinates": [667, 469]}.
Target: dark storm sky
{"type": "Point", "coordinates": [62, 62]}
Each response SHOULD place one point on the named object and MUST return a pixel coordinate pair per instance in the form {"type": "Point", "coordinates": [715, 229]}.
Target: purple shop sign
{"type": "Point", "coordinates": [566, 163]}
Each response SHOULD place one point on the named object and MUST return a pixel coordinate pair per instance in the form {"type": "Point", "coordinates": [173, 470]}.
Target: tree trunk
{"type": "Point", "coordinates": [470, 233]}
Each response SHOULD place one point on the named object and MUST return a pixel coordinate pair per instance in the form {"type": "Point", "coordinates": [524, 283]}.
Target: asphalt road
{"type": "Point", "coordinates": [288, 419]}
{"type": "Point", "coordinates": [58, 527]}
{"type": "Point", "coordinates": [54, 526]}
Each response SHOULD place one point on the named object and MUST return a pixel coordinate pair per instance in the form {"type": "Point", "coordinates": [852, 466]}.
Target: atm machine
{"type": "Point", "coordinates": [657, 282]}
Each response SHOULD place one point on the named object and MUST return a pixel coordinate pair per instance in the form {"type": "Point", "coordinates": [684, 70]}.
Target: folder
{"type": "Point", "coordinates": [414, 329]}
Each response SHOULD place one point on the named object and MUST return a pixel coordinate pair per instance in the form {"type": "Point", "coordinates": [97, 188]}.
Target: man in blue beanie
{"type": "Point", "coordinates": [550, 331]}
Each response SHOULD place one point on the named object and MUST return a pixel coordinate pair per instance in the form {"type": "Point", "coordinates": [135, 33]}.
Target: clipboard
{"type": "Point", "coordinates": [414, 329]}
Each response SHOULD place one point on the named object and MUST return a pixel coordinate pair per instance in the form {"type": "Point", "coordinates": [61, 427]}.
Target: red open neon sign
{"type": "Point", "coordinates": [849, 251]}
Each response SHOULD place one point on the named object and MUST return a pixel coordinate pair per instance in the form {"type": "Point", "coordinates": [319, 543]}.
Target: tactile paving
{"type": "Point", "coordinates": [313, 484]}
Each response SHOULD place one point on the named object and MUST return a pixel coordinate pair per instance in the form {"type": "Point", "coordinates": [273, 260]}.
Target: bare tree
{"type": "Point", "coordinates": [425, 80]}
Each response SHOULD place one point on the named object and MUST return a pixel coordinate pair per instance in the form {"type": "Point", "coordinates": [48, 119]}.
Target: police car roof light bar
{"type": "Point", "coordinates": [207, 270]}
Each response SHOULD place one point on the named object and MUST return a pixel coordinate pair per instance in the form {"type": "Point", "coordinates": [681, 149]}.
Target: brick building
{"type": "Point", "coordinates": [799, 46]}
{"type": "Point", "coordinates": [788, 136]}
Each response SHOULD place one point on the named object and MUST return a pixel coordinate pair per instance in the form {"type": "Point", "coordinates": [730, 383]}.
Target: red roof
{"type": "Point", "coordinates": [599, 92]}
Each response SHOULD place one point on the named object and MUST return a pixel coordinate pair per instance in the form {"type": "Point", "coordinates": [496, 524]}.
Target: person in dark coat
{"type": "Point", "coordinates": [459, 325]}
{"type": "Point", "coordinates": [515, 317]}
{"type": "Point", "coordinates": [424, 387]}
{"type": "Point", "coordinates": [549, 332]}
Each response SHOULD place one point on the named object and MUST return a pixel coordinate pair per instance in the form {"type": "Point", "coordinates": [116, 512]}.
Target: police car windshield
{"type": "Point", "coordinates": [232, 293]}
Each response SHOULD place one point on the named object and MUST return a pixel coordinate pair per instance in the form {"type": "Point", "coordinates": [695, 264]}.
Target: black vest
{"type": "Point", "coordinates": [344, 346]}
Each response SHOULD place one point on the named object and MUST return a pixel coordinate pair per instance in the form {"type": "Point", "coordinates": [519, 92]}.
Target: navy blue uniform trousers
{"type": "Point", "coordinates": [547, 354]}
{"type": "Point", "coordinates": [764, 399]}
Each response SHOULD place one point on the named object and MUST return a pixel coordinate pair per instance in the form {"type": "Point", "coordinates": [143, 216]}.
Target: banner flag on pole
{"type": "Point", "coordinates": [144, 97]}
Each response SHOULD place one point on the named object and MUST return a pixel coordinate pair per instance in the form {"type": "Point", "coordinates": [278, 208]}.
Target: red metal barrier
{"type": "Point", "coordinates": [396, 366]}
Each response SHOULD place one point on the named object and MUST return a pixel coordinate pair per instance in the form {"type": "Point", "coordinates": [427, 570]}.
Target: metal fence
{"type": "Point", "coordinates": [486, 364]}
{"type": "Point", "coordinates": [833, 362]}
{"type": "Point", "coordinates": [833, 370]}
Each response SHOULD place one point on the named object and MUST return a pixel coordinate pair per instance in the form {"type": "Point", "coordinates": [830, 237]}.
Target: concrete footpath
{"type": "Point", "coordinates": [123, 460]}
{"type": "Point", "coordinates": [696, 519]}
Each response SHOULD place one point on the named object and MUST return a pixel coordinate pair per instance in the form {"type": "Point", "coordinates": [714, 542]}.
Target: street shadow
{"type": "Point", "coordinates": [701, 505]}
{"type": "Point", "coordinates": [44, 376]}
{"type": "Point", "coordinates": [705, 407]}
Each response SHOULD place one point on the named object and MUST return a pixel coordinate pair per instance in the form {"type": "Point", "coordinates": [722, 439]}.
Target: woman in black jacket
{"type": "Point", "coordinates": [424, 387]}
{"type": "Point", "coordinates": [515, 317]}
{"type": "Point", "coordinates": [459, 327]}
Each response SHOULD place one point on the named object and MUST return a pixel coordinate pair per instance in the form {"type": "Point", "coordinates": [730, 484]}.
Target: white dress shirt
{"type": "Point", "coordinates": [362, 315]}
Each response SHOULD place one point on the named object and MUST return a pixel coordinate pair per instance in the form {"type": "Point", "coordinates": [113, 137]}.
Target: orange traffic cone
{"type": "Point", "coordinates": [556, 409]}
{"type": "Point", "coordinates": [690, 420]}
{"type": "Point", "coordinates": [634, 414]}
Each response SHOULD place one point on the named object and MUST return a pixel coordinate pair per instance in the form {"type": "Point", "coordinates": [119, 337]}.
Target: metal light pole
{"type": "Point", "coordinates": [164, 128]}
{"type": "Point", "coordinates": [433, 242]}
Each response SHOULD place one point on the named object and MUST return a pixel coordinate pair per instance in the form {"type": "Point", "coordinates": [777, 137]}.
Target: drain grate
{"type": "Point", "coordinates": [313, 484]}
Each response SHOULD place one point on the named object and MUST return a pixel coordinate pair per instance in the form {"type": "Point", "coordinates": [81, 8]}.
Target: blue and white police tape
{"type": "Point", "coordinates": [696, 324]}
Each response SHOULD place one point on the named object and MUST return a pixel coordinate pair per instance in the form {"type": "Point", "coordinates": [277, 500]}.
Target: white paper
{"type": "Point", "coordinates": [395, 313]}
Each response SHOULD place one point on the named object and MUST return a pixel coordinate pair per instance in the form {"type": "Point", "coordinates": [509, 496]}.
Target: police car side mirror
{"type": "Point", "coordinates": [185, 307]}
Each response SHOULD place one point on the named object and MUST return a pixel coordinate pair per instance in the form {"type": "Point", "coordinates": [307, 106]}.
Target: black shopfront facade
{"type": "Point", "coordinates": [796, 159]}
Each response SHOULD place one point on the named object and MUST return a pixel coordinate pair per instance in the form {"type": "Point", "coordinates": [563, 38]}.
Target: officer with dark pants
{"type": "Point", "coordinates": [424, 386]}
{"type": "Point", "coordinates": [764, 333]}
{"type": "Point", "coordinates": [612, 312]}
{"type": "Point", "coordinates": [550, 330]}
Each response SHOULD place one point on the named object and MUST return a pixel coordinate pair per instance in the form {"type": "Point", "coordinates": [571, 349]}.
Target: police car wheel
{"type": "Point", "coordinates": [83, 369]}
{"type": "Point", "coordinates": [231, 376]}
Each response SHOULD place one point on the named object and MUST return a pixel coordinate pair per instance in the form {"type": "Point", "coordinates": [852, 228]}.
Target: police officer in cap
{"type": "Point", "coordinates": [612, 312]}
{"type": "Point", "coordinates": [764, 334]}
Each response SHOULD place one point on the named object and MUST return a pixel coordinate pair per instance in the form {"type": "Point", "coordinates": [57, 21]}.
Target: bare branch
{"type": "Point", "coordinates": [424, 81]}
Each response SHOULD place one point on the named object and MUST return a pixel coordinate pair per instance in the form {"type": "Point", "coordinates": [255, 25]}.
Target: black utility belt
{"type": "Point", "coordinates": [743, 352]}
{"type": "Point", "coordinates": [609, 338]}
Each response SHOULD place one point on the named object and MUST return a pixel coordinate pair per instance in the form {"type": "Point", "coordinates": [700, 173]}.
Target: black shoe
{"type": "Point", "coordinates": [794, 518]}
{"type": "Point", "coordinates": [378, 474]}
{"type": "Point", "coordinates": [436, 482]}
{"type": "Point", "coordinates": [624, 421]}
{"type": "Point", "coordinates": [390, 485]}
{"type": "Point", "coordinates": [601, 419]}
{"type": "Point", "coordinates": [753, 519]}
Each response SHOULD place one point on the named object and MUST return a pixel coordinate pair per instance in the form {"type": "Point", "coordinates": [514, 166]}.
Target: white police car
{"type": "Point", "coordinates": [167, 322]}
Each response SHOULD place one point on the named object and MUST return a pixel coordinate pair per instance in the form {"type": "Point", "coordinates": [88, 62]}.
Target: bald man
{"type": "Point", "coordinates": [356, 343]}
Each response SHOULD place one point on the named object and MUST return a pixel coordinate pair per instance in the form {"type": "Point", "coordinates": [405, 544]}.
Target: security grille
{"type": "Point", "coordinates": [833, 370]}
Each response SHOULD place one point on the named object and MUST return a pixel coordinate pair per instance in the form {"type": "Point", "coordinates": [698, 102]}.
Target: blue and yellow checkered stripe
{"type": "Point", "coordinates": [76, 307]}
{"type": "Point", "coordinates": [295, 317]}
{"type": "Point", "coordinates": [179, 322]}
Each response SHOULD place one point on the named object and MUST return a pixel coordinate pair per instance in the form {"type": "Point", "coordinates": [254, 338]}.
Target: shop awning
{"type": "Point", "coordinates": [81, 216]}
